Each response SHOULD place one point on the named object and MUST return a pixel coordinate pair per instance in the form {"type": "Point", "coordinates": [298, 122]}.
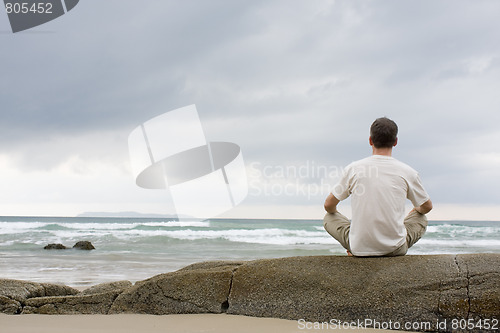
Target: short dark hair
{"type": "Point", "coordinates": [384, 133]}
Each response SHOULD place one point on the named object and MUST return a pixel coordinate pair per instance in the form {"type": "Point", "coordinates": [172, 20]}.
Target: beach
{"type": "Point", "coordinates": [204, 323]}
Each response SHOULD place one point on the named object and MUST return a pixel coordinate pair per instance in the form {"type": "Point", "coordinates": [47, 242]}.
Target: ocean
{"type": "Point", "coordinates": [138, 248]}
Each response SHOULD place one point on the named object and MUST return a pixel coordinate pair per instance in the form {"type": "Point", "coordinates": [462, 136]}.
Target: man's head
{"type": "Point", "coordinates": [384, 133]}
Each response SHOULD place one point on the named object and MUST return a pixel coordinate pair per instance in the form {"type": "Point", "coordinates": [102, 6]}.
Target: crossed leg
{"type": "Point", "coordinates": [338, 226]}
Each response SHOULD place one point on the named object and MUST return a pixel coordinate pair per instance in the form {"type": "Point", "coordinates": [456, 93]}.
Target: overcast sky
{"type": "Point", "coordinates": [295, 83]}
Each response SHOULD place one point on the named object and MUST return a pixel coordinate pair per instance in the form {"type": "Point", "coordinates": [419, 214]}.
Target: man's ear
{"type": "Point", "coordinates": [370, 140]}
{"type": "Point", "coordinates": [395, 143]}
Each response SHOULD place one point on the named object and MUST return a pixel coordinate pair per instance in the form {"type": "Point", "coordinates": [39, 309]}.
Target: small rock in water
{"type": "Point", "coordinates": [84, 245]}
{"type": "Point", "coordinates": [55, 247]}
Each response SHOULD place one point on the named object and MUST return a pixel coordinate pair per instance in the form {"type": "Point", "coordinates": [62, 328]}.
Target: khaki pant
{"type": "Point", "coordinates": [338, 226]}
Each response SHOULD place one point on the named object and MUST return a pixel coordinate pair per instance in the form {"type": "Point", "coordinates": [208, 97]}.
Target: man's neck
{"type": "Point", "coordinates": [382, 151]}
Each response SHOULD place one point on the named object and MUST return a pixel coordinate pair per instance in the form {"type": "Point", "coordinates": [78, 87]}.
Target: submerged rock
{"type": "Point", "coordinates": [84, 245]}
{"type": "Point", "coordinates": [55, 247]}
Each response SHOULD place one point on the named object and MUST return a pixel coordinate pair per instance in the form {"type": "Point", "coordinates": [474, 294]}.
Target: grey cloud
{"type": "Point", "coordinates": [110, 73]}
{"type": "Point", "coordinates": [287, 80]}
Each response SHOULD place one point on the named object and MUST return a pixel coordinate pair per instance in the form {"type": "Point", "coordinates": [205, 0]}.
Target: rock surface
{"type": "Point", "coordinates": [107, 287]}
{"type": "Point", "coordinates": [78, 304]}
{"type": "Point", "coordinates": [318, 289]}
{"type": "Point", "coordinates": [14, 293]}
{"type": "Point", "coordinates": [55, 247]}
{"type": "Point", "coordinates": [406, 289]}
{"type": "Point", "coordinates": [84, 245]}
{"type": "Point", "coordinates": [199, 289]}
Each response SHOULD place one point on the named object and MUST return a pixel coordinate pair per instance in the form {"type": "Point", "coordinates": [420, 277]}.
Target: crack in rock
{"type": "Point", "coordinates": [85, 304]}
{"type": "Point", "coordinates": [467, 276]}
{"type": "Point", "coordinates": [225, 305]}
{"type": "Point", "coordinates": [113, 302]}
{"type": "Point", "coordinates": [180, 300]}
{"type": "Point", "coordinates": [468, 290]}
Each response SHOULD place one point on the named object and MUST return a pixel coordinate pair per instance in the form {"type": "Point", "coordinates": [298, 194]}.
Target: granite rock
{"type": "Point", "coordinates": [79, 304]}
{"type": "Point", "coordinates": [15, 293]}
{"type": "Point", "coordinates": [54, 247]}
{"type": "Point", "coordinates": [84, 245]}
{"type": "Point", "coordinates": [107, 287]}
{"type": "Point", "coordinates": [201, 289]}
{"type": "Point", "coordinates": [9, 305]}
{"type": "Point", "coordinates": [411, 289]}
{"type": "Point", "coordinates": [483, 284]}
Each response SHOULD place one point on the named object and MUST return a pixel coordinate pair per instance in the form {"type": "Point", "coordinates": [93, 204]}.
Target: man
{"type": "Point", "coordinates": [379, 186]}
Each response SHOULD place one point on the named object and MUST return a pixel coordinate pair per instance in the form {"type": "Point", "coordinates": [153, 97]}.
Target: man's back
{"type": "Point", "coordinates": [379, 186]}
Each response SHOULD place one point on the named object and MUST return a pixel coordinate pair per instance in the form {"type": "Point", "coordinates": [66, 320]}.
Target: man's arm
{"type": "Point", "coordinates": [424, 208]}
{"type": "Point", "coordinates": [331, 203]}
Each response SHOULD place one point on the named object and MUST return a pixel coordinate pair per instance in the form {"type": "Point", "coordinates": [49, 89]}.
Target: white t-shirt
{"type": "Point", "coordinates": [379, 186]}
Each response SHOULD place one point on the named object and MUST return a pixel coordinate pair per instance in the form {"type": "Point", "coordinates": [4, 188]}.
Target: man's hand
{"type": "Point", "coordinates": [331, 204]}
{"type": "Point", "coordinates": [424, 208]}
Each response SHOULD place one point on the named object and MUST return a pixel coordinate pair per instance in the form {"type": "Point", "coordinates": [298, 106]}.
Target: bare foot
{"type": "Point", "coordinates": [349, 254]}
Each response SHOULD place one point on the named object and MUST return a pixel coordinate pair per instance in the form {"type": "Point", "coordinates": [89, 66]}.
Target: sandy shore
{"type": "Point", "coordinates": [217, 323]}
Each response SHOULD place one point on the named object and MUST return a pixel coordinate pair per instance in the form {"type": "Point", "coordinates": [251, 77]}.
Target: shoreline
{"type": "Point", "coordinates": [180, 323]}
{"type": "Point", "coordinates": [135, 250]}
